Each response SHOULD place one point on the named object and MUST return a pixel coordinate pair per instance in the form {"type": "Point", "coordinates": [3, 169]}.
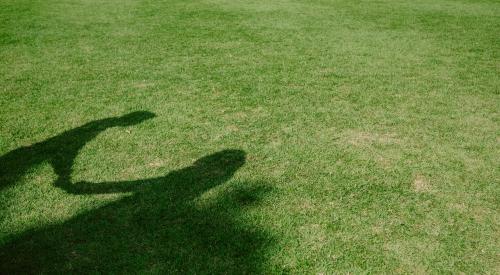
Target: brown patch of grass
{"type": "Point", "coordinates": [232, 128]}
{"type": "Point", "coordinates": [383, 162]}
{"type": "Point", "coordinates": [307, 205]}
{"type": "Point", "coordinates": [361, 138]}
{"type": "Point", "coordinates": [385, 149]}
{"type": "Point", "coordinates": [378, 229]}
{"type": "Point", "coordinates": [421, 184]}
{"type": "Point", "coordinates": [143, 85]}
{"type": "Point", "coordinates": [156, 163]}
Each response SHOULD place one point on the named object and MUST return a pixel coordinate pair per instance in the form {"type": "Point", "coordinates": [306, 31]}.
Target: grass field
{"type": "Point", "coordinates": [259, 136]}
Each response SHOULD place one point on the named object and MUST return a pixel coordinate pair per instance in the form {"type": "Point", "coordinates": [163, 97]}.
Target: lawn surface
{"type": "Point", "coordinates": [259, 136]}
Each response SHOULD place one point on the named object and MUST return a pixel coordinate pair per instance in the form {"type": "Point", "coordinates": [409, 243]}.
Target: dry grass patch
{"type": "Point", "coordinates": [421, 183]}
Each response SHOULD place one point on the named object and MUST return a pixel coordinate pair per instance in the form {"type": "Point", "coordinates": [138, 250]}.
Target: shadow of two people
{"type": "Point", "coordinates": [157, 228]}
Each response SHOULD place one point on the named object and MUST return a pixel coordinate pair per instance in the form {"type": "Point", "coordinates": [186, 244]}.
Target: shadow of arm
{"type": "Point", "coordinates": [87, 188]}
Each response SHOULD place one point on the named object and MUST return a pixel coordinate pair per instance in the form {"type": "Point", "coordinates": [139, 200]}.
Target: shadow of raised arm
{"type": "Point", "coordinates": [61, 150]}
{"type": "Point", "coordinates": [206, 172]}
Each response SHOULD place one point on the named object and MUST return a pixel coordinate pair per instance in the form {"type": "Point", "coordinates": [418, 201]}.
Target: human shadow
{"type": "Point", "coordinates": [167, 224]}
{"type": "Point", "coordinates": [60, 151]}
{"type": "Point", "coordinates": [164, 226]}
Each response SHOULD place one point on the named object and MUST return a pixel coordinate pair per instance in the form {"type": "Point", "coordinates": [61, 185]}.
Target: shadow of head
{"type": "Point", "coordinates": [221, 164]}
{"type": "Point", "coordinates": [133, 118]}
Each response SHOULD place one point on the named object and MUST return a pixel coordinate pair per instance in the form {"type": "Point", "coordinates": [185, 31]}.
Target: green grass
{"type": "Point", "coordinates": [230, 136]}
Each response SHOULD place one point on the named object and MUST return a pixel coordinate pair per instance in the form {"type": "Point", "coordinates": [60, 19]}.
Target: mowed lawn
{"type": "Point", "coordinates": [249, 136]}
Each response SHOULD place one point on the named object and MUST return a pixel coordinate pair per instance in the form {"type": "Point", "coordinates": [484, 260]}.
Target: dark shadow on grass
{"type": "Point", "coordinates": [163, 225]}
{"type": "Point", "coordinates": [60, 151]}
